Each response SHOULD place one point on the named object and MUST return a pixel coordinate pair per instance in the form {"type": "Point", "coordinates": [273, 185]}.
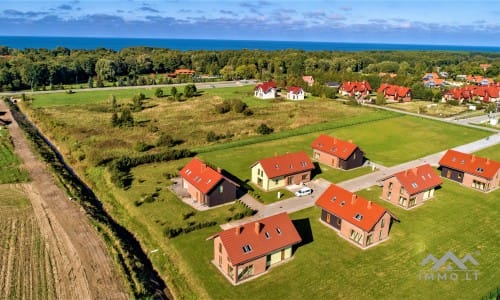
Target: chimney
{"type": "Point", "coordinates": [353, 199]}
{"type": "Point", "coordinates": [415, 171]}
{"type": "Point", "coordinates": [257, 227]}
{"type": "Point", "coordinates": [219, 170]}
{"type": "Point", "coordinates": [238, 229]}
{"type": "Point", "coordinates": [334, 140]}
{"type": "Point", "coordinates": [369, 204]}
{"type": "Point", "coordinates": [473, 158]}
{"type": "Point", "coordinates": [487, 161]}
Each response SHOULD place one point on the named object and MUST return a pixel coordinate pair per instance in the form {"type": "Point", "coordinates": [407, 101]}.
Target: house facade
{"type": "Point", "coordinates": [490, 93]}
{"type": "Point", "coordinates": [354, 218]}
{"type": "Point", "coordinates": [472, 171]}
{"type": "Point", "coordinates": [411, 187]}
{"type": "Point", "coordinates": [266, 90]}
{"type": "Point", "coordinates": [395, 92]}
{"type": "Point", "coordinates": [358, 89]}
{"type": "Point", "coordinates": [280, 171]}
{"type": "Point", "coordinates": [295, 93]}
{"type": "Point", "coordinates": [337, 153]}
{"type": "Point", "coordinates": [207, 186]}
{"type": "Point", "coordinates": [309, 80]}
{"type": "Point", "coordinates": [248, 250]}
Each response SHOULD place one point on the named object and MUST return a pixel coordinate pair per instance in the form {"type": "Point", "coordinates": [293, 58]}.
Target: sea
{"type": "Point", "coordinates": [92, 43]}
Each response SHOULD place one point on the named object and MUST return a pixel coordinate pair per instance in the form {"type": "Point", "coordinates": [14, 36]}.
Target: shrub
{"type": "Point", "coordinates": [223, 107]}
{"type": "Point", "coordinates": [247, 112]}
{"type": "Point", "coordinates": [264, 129]}
{"type": "Point", "coordinates": [190, 90]}
{"type": "Point", "coordinates": [165, 140]}
{"type": "Point", "coordinates": [141, 146]}
{"type": "Point", "coordinates": [238, 106]}
{"type": "Point", "coordinates": [158, 93]}
{"type": "Point", "coordinates": [212, 137]}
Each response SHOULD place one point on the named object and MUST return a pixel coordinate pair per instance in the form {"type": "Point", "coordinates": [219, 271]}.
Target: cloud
{"type": "Point", "coordinates": [228, 12]}
{"type": "Point", "coordinates": [184, 11]}
{"type": "Point", "coordinates": [377, 21]}
{"type": "Point", "coordinates": [65, 7]}
{"type": "Point", "coordinates": [346, 8]}
{"type": "Point", "coordinates": [148, 9]}
{"type": "Point", "coordinates": [20, 14]}
{"type": "Point", "coordinates": [315, 14]}
{"type": "Point", "coordinates": [255, 7]}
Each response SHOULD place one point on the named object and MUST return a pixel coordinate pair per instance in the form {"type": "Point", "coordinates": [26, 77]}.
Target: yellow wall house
{"type": "Point", "coordinates": [280, 171]}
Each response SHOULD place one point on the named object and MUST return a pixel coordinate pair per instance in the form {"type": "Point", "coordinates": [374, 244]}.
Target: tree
{"type": "Point", "coordinates": [165, 140]}
{"type": "Point", "coordinates": [112, 100]}
{"type": "Point", "coordinates": [91, 83]}
{"type": "Point", "coordinates": [115, 121]}
{"type": "Point", "coordinates": [173, 92]}
{"type": "Point", "coordinates": [158, 92]}
{"type": "Point", "coordinates": [264, 129]}
{"type": "Point", "coordinates": [380, 100]}
{"type": "Point", "coordinates": [126, 119]}
{"type": "Point", "coordinates": [137, 101]}
{"type": "Point", "coordinates": [190, 90]}
{"type": "Point", "coordinates": [105, 69]}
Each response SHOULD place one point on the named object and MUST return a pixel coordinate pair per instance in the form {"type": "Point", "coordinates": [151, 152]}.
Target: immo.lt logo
{"type": "Point", "coordinates": [449, 267]}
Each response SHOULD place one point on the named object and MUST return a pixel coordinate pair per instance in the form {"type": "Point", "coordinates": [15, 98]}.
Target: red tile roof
{"type": "Point", "coordinates": [356, 86]}
{"type": "Point", "coordinates": [263, 236]}
{"type": "Point", "coordinates": [347, 205]}
{"type": "Point", "coordinates": [334, 146]}
{"type": "Point", "coordinates": [266, 86]}
{"type": "Point", "coordinates": [294, 89]}
{"type": "Point", "coordinates": [200, 175]}
{"type": "Point", "coordinates": [469, 91]}
{"type": "Point", "coordinates": [287, 164]}
{"type": "Point", "coordinates": [419, 179]}
{"type": "Point", "coordinates": [471, 164]}
{"type": "Point", "coordinates": [393, 90]}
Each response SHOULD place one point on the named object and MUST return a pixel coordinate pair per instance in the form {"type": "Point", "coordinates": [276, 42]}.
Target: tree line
{"type": "Point", "coordinates": [51, 69]}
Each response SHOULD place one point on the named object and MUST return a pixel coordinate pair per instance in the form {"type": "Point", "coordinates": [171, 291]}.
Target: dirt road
{"type": "Point", "coordinates": [84, 267]}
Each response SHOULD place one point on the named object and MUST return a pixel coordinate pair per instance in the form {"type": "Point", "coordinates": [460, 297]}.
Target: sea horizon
{"type": "Point", "coordinates": [185, 44]}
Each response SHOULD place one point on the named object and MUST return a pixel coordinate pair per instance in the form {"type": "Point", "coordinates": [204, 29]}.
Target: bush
{"type": "Point", "coordinates": [223, 107]}
{"type": "Point", "coordinates": [238, 106]}
{"type": "Point", "coordinates": [212, 137]}
{"type": "Point", "coordinates": [165, 140]}
{"type": "Point", "coordinates": [264, 129]}
{"type": "Point", "coordinates": [141, 146]}
{"type": "Point", "coordinates": [158, 93]}
{"type": "Point", "coordinates": [190, 90]}
{"type": "Point", "coordinates": [247, 112]}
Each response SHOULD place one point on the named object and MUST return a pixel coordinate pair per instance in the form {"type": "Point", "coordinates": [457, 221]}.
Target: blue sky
{"type": "Point", "coordinates": [473, 22]}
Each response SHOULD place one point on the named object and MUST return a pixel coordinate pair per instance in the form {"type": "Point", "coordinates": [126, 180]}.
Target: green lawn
{"type": "Point", "coordinates": [12, 198]}
{"type": "Point", "coordinates": [329, 267]}
{"type": "Point", "coordinates": [491, 152]}
{"type": "Point", "coordinates": [9, 162]}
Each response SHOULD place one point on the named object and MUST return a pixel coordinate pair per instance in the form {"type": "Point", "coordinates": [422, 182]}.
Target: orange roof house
{"type": "Point", "coordinates": [248, 250]}
{"type": "Point", "coordinates": [411, 187]}
{"type": "Point", "coordinates": [206, 185]}
{"type": "Point", "coordinates": [472, 171]}
{"type": "Point", "coordinates": [266, 90]}
{"type": "Point", "coordinates": [354, 218]}
{"type": "Point", "coordinates": [490, 93]}
{"type": "Point", "coordinates": [395, 92]}
{"type": "Point", "coordinates": [280, 171]}
{"type": "Point", "coordinates": [355, 88]}
{"type": "Point", "coordinates": [337, 153]}
{"type": "Point", "coordinates": [309, 80]}
{"type": "Point", "coordinates": [182, 72]}
{"type": "Point", "coordinates": [295, 93]}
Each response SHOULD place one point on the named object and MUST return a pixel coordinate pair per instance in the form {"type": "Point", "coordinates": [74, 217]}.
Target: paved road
{"type": "Point", "coordinates": [359, 183]}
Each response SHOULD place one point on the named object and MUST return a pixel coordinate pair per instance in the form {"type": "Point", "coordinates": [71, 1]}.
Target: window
{"type": "Point", "coordinates": [380, 235]}
{"type": "Point", "coordinates": [402, 201]}
{"type": "Point", "coordinates": [220, 248]}
{"type": "Point", "coordinates": [339, 221]}
{"type": "Point", "coordinates": [247, 248]}
{"type": "Point", "coordinates": [414, 185]}
{"type": "Point", "coordinates": [389, 195]}
{"type": "Point", "coordinates": [480, 170]}
{"type": "Point", "coordinates": [303, 163]}
{"type": "Point", "coordinates": [358, 217]}
{"type": "Point", "coordinates": [478, 185]}
{"type": "Point", "coordinates": [412, 202]}
{"type": "Point", "coordinates": [221, 189]}
{"type": "Point", "coordinates": [245, 272]}
{"type": "Point", "coordinates": [354, 156]}
{"type": "Point", "coordinates": [305, 177]}
{"type": "Point", "coordinates": [316, 155]}
{"type": "Point", "coordinates": [276, 181]}
{"type": "Point", "coordinates": [369, 239]}
{"type": "Point", "coordinates": [334, 198]}
{"type": "Point", "coordinates": [328, 218]}
{"type": "Point", "coordinates": [220, 260]}
{"type": "Point", "coordinates": [278, 230]}
{"type": "Point", "coordinates": [267, 235]}
{"type": "Point", "coordinates": [401, 190]}
{"type": "Point", "coordinates": [356, 236]}
{"type": "Point", "coordinates": [342, 203]}
{"type": "Point", "coordinates": [382, 223]}
{"type": "Point", "coordinates": [390, 186]}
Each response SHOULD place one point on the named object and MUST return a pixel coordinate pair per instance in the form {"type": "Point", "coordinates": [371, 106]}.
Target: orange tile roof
{"type": "Point", "coordinates": [200, 175]}
{"type": "Point", "coordinates": [419, 179]}
{"type": "Point", "coordinates": [294, 89]}
{"type": "Point", "coordinates": [263, 237]}
{"type": "Point", "coordinates": [356, 86]}
{"type": "Point", "coordinates": [266, 86]}
{"type": "Point", "coordinates": [287, 164]}
{"type": "Point", "coordinates": [347, 205]}
{"type": "Point", "coordinates": [334, 146]}
{"type": "Point", "coordinates": [471, 164]}
{"type": "Point", "coordinates": [393, 90]}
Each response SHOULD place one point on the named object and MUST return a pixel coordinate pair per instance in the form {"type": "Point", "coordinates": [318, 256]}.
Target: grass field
{"type": "Point", "coordinates": [26, 266]}
{"type": "Point", "coordinates": [9, 162]}
{"type": "Point", "coordinates": [491, 153]}
{"type": "Point", "coordinates": [327, 266]}
{"type": "Point", "coordinates": [432, 109]}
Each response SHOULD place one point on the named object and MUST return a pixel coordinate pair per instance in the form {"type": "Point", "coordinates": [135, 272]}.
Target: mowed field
{"type": "Point", "coordinates": [325, 265]}
{"type": "Point", "coordinates": [9, 162]}
{"type": "Point", "coordinates": [27, 269]}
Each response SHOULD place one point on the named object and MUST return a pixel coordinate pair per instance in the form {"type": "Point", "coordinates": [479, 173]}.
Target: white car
{"type": "Point", "coordinates": [303, 191]}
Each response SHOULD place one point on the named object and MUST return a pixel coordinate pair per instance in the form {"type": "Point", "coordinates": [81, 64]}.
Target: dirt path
{"type": "Point", "coordinates": [84, 268]}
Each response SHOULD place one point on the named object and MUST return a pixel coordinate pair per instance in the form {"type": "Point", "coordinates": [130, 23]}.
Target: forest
{"type": "Point", "coordinates": [44, 69]}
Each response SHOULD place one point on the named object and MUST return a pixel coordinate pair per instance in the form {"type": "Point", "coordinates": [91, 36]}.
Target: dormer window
{"type": "Point", "coordinates": [358, 217]}
{"type": "Point", "coordinates": [334, 198]}
{"type": "Point", "coordinates": [276, 166]}
{"type": "Point", "coordinates": [303, 163]}
{"type": "Point", "coordinates": [480, 170]}
{"type": "Point", "coordinates": [188, 171]}
{"type": "Point", "coordinates": [267, 235]}
{"type": "Point", "coordinates": [342, 203]}
{"type": "Point", "coordinates": [278, 230]}
{"type": "Point", "coordinates": [462, 161]}
{"type": "Point", "coordinates": [414, 185]}
{"type": "Point", "coordinates": [247, 248]}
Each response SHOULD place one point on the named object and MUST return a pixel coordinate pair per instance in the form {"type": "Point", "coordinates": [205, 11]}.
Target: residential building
{"type": "Point", "coordinates": [356, 219]}
{"type": "Point", "coordinates": [470, 170]}
{"type": "Point", "coordinates": [411, 187]}
{"type": "Point", "coordinates": [337, 153]}
{"type": "Point", "coordinates": [395, 92]}
{"type": "Point", "coordinates": [206, 185]}
{"type": "Point", "coordinates": [266, 90]}
{"type": "Point", "coordinates": [249, 250]}
{"type": "Point", "coordinates": [358, 89]}
{"type": "Point", "coordinates": [280, 171]}
{"type": "Point", "coordinates": [295, 93]}
{"type": "Point", "coordinates": [309, 80]}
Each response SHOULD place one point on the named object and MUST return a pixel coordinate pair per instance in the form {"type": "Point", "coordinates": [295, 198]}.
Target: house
{"type": "Point", "coordinates": [295, 93]}
{"type": "Point", "coordinates": [429, 76]}
{"type": "Point", "coordinates": [337, 153]}
{"type": "Point", "coordinates": [207, 186]}
{"type": "Point", "coordinates": [185, 72]}
{"type": "Point", "coordinates": [359, 89]}
{"type": "Point", "coordinates": [280, 171]}
{"type": "Point", "coordinates": [457, 94]}
{"type": "Point", "coordinates": [411, 187]}
{"type": "Point", "coordinates": [487, 93]}
{"type": "Point", "coordinates": [391, 75]}
{"type": "Point", "coordinates": [356, 219]}
{"type": "Point", "coordinates": [484, 66]}
{"type": "Point", "coordinates": [309, 80]}
{"type": "Point", "coordinates": [490, 93]}
{"type": "Point", "coordinates": [249, 250]}
{"type": "Point", "coordinates": [395, 92]}
{"type": "Point", "coordinates": [470, 170]}
{"type": "Point", "coordinates": [266, 90]}
{"type": "Point", "coordinates": [434, 83]}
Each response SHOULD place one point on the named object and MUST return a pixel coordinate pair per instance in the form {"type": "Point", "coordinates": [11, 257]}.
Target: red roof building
{"type": "Point", "coordinates": [354, 218]}
{"type": "Point", "coordinates": [295, 93]}
{"type": "Point", "coordinates": [309, 80]}
{"type": "Point", "coordinates": [472, 171]}
{"type": "Point", "coordinates": [395, 92]}
{"type": "Point", "coordinates": [490, 93]}
{"type": "Point", "coordinates": [358, 89]}
{"type": "Point", "coordinates": [248, 250]}
{"type": "Point", "coordinates": [412, 187]}
{"type": "Point", "coordinates": [280, 171]}
{"type": "Point", "coordinates": [177, 72]}
{"type": "Point", "coordinates": [266, 90]}
{"type": "Point", "coordinates": [206, 185]}
{"type": "Point", "coordinates": [337, 153]}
